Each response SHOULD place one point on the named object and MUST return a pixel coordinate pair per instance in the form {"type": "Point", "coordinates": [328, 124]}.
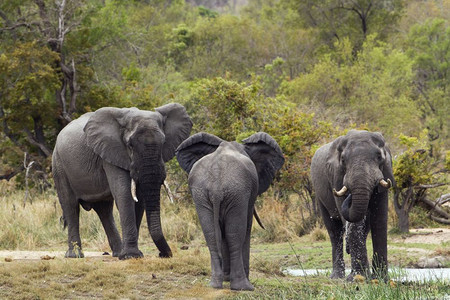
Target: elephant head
{"type": "Point", "coordinates": [141, 142]}
{"type": "Point", "coordinates": [360, 165]}
{"type": "Point", "coordinates": [262, 149]}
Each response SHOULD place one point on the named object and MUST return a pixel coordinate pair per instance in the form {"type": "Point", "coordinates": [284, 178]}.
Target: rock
{"type": "Point", "coordinates": [431, 262]}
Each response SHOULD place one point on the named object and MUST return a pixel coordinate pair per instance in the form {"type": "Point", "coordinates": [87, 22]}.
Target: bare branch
{"type": "Point", "coordinates": [440, 220]}
{"type": "Point", "coordinates": [429, 186]}
{"type": "Point", "coordinates": [436, 208]}
{"type": "Point", "coordinates": [11, 174]}
{"type": "Point", "coordinates": [47, 152]}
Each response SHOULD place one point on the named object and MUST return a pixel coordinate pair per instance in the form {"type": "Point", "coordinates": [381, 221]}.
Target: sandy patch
{"type": "Point", "coordinates": [427, 236]}
{"type": "Point", "coordinates": [6, 255]}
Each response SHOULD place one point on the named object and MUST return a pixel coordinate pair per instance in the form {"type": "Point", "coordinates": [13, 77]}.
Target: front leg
{"type": "Point", "coordinates": [356, 246]}
{"type": "Point", "coordinates": [378, 225]}
{"type": "Point", "coordinates": [335, 229]}
{"type": "Point", "coordinates": [120, 185]}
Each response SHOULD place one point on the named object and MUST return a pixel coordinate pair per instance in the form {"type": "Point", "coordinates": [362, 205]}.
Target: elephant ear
{"type": "Point", "coordinates": [195, 147]}
{"type": "Point", "coordinates": [104, 136]}
{"type": "Point", "coordinates": [177, 127]}
{"type": "Point", "coordinates": [379, 140]}
{"type": "Point", "coordinates": [267, 157]}
{"type": "Point", "coordinates": [333, 162]}
{"type": "Point", "coordinates": [387, 167]}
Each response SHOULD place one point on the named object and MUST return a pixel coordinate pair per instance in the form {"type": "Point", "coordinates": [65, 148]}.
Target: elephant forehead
{"type": "Point", "coordinates": [231, 148]}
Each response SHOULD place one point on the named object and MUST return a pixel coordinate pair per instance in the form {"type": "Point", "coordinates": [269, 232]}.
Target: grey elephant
{"type": "Point", "coordinates": [225, 178]}
{"type": "Point", "coordinates": [351, 177]}
{"type": "Point", "coordinates": [117, 155]}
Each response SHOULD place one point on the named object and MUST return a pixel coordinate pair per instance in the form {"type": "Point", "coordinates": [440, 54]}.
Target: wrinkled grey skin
{"type": "Point", "coordinates": [358, 160]}
{"type": "Point", "coordinates": [225, 178]}
{"type": "Point", "coordinates": [94, 160]}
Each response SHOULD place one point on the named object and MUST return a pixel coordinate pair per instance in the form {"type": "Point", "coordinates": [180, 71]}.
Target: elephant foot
{"type": "Point", "coordinates": [216, 283]}
{"type": "Point", "coordinates": [116, 254]}
{"type": "Point", "coordinates": [337, 274]}
{"type": "Point", "coordinates": [241, 284]}
{"type": "Point", "coordinates": [165, 255]}
{"type": "Point", "coordinates": [71, 253]}
{"type": "Point", "coordinates": [226, 277]}
{"type": "Point", "coordinates": [130, 254]}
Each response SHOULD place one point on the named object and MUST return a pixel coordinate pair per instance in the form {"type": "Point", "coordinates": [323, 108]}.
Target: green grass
{"type": "Point", "coordinates": [186, 275]}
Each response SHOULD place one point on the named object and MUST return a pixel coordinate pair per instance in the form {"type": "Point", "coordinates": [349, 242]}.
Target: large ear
{"type": "Point", "coordinates": [335, 171]}
{"type": "Point", "coordinates": [177, 127]}
{"type": "Point", "coordinates": [195, 147]}
{"type": "Point", "coordinates": [387, 167]}
{"type": "Point", "coordinates": [379, 140]}
{"type": "Point", "coordinates": [104, 136]}
{"type": "Point", "coordinates": [267, 157]}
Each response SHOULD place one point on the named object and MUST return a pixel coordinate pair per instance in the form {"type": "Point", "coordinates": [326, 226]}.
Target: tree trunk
{"type": "Point", "coordinates": [403, 221]}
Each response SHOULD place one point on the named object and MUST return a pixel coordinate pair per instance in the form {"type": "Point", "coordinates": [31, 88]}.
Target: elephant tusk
{"type": "Point", "coordinates": [341, 192]}
{"type": "Point", "coordinates": [133, 190]}
{"type": "Point", "coordinates": [385, 184]}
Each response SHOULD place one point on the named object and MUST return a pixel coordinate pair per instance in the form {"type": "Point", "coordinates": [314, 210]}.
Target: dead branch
{"type": "Point", "coordinates": [168, 191]}
{"type": "Point", "coordinates": [440, 220]}
{"type": "Point", "coordinates": [436, 208]}
{"type": "Point", "coordinates": [27, 167]}
{"type": "Point", "coordinates": [11, 174]}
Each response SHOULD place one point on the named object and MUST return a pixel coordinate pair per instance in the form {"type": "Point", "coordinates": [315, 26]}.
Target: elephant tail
{"type": "Point", "coordinates": [258, 219]}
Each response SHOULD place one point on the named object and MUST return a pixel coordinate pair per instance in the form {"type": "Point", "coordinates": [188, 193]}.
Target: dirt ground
{"type": "Point", "coordinates": [427, 236]}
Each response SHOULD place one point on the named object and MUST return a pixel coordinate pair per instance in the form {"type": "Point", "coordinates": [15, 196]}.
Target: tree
{"type": "Point", "coordinates": [353, 19]}
{"type": "Point", "coordinates": [415, 173]}
{"type": "Point", "coordinates": [429, 47]}
{"type": "Point", "coordinates": [341, 87]}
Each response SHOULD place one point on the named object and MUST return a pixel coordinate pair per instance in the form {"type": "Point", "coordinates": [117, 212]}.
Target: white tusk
{"type": "Point", "coordinates": [133, 190]}
{"type": "Point", "coordinates": [341, 192]}
{"type": "Point", "coordinates": [385, 184]}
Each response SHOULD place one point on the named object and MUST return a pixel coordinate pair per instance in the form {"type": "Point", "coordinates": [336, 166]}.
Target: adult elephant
{"type": "Point", "coordinates": [106, 156]}
{"type": "Point", "coordinates": [225, 178]}
{"type": "Point", "coordinates": [351, 177]}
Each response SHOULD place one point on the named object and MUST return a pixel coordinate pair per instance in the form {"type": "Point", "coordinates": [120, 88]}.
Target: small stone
{"type": "Point", "coordinates": [8, 259]}
{"type": "Point", "coordinates": [185, 247]}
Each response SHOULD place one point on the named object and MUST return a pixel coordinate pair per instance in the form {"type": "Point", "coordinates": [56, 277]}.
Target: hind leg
{"type": "Point", "coordinates": [71, 215]}
{"type": "Point", "coordinates": [104, 211]}
{"type": "Point", "coordinates": [236, 235]}
{"type": "Point", "coordinates": [206, 218]}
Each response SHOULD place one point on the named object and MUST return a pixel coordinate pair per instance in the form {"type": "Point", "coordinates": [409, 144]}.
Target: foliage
{"type": "Point", "coordinates": [428, 46]}
{"type": "Point", "coordinates": [344, 86]}
{"type": "Point", "coordinates": [415, 171]}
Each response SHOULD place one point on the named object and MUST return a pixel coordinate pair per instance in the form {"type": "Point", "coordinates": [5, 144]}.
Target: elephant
{"type": "Point", "coordinates": [225, 179]}
{"type": "Point", "coordinates": [351, 177]}
{"type": "Point", "coordinates": [117, 155]}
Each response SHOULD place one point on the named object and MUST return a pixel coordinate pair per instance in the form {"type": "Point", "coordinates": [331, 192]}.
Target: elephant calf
{"type": "Point", "coordinates": [225, 178]}
{"type": "Point", "coordinates": [351, 177]}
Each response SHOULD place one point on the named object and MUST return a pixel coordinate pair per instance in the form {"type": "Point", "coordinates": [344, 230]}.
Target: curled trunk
{"type": "Point", "coordinates": [354, 207]}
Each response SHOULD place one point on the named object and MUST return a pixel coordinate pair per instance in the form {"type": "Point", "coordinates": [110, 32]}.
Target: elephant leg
{"type": "Point", "coordinates": [246, 247]}
{"type": "Point", "coordinates": [104, 211]}
{"type": "Point", "coordinates": [225, 261]}
{"type": "Point", "coordinates": [235, 234]}
{"type": "Point", "coordinates": [120, 185]}
{"type": "Point", "coordinates": [335, 229]}
{"type": "Point", "coordinates": [71, 215]}
{"type": "Point", "coordinates": [206, 218]}
{"type": "Point", "coordinates": [378, 227]}
{"type": "Point", "coordinates": [356, 243]}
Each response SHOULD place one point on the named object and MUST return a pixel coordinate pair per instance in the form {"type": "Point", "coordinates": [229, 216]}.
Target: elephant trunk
{"type": "Point", "coordinates": [150, 178]}
{"type": "Point", "coordinates": [354, 207]}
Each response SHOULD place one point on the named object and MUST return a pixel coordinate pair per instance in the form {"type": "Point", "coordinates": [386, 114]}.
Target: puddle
{"type": "Point", "coordinates": [406, 274]}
